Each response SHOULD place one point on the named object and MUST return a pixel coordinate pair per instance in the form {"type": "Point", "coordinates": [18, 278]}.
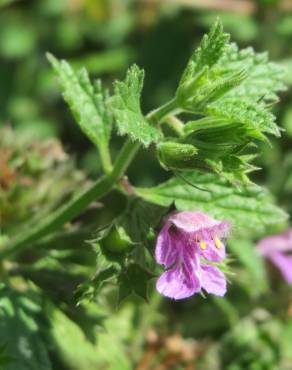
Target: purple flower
{"type": "Point", "coordinates": [277, 248]}
{"type": "Point", "coordinates": [187, 241]}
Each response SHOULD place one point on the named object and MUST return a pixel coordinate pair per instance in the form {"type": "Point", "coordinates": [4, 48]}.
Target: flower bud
{"type": "Point", "coordinates": [198, 90]}
{"type": "Point", "coordinates": [187, 90]}
{"type": "Point", "coordinates": [176, 155]}
{"type": "Point", "coordinates": [117, 240]}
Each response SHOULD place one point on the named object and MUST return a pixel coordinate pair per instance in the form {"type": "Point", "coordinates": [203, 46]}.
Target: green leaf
{"type": "Point", "coordinates": [140, 220]}
{"type": "Point", "coordinates": [25, 348]}
{"type": "Point", "coordinates": [78, 353]}
{"type": "Point", "coordinates": [254, 117]}
{"type": "Point", "coordinates": [132, 265]}
{"type": "Point", "coordinates": [90, 289]}
{"type": "Point", "coordinates": [107, 269]}
{"type": "Point", "coordinates": [202, 81]}
{"type": "Point", "coordinates": [208, 53]}
{"type": "Point", "coordinates": [249, 210]}
{"type": "Point", "coordinates": [127, 110]}
{"type": "Point", "coordinates": [233, 168]}
{"type": "Point", "coordinates": [264, 79]}
{"type": "Point", "coordinates": [134, 280]}
{"type": "Point", "coordinates": [87, 101]}
{"type": "Point", "coordinates": [219, 72]}
{"type": "Point", "coordinates": [230, 92]}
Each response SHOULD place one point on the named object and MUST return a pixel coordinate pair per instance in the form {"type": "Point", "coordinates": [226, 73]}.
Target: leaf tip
{"type": "Point", "coordinates": [51, 58]}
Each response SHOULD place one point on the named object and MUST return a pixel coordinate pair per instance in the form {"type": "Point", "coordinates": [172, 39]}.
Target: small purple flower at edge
{"type": "Point", "coordinates": [188, 246]}
{"type": "Point", "coordinates": [276, 248]}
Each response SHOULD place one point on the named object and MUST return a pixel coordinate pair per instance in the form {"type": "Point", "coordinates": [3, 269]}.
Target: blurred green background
{"type": "Point", "coordinates": [44, 157]}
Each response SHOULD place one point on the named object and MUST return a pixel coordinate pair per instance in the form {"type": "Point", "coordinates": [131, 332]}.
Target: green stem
{"type": "Point", "coordinates": [125, 157]}
{"type": "Point", "coordinates": [81, 201]}
{"type": "Point", "coordinates": [74, 207]}
{"type": "Point", "coordinates": [105, 159]}
{"type": "Point", "coordinates": [175, 125]}
{"type": "Point", "coordinates": [159, 113]}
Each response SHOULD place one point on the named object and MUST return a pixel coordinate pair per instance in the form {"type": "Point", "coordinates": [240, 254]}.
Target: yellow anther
{"type": "Point", "coordinates": [218, 243]}
{"type": "Point", "coordinates": [203, 245]}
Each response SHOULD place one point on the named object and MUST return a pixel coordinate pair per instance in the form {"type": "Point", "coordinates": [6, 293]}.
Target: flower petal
{"type": "Point", "coordinates": [174, 284]}
{"type": "Point", "coordinates": [192, 221]}
{"type": "Point", "coordinates": [180, 282]}
{"type": "Point", "coordinates": [167, 247]}
{"type": "Point", "coordinates": [186, 238]}
{"type": "Point", "coordinates": [284, 264]}
{"type": "Point", "coordinates": [199, 225]}
{"type": "Point", "coordinates": [212, 252]}
{"type": "Point", "coordinates": [213, 280]}
{"type": "Point", "coordinates": [280, 242]}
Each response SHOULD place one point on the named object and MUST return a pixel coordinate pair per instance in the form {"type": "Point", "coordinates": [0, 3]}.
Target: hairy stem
{"type": "Point", "coordinates": [158, 114]}
{"type": "Point", "coordinates": [74, 207]}
{"type": "Point", "coordinates": [105, 159]}
{"type": "Point", "coordinates": [174, 124]}
{"type": "Point", "coordinates": [81, 201]}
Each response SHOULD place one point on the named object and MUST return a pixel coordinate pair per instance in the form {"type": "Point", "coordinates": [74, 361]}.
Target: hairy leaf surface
{"type": "Point", "coordinates": [127, 110]}
{"type": "Point", "coordinates": [264, 78]}
{"type": "Point", "coordinates": [86, 100]}
{"type": "Point", "coordinates": [251, 209]}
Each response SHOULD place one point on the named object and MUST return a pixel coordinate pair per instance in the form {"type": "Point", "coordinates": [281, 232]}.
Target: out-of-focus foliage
{"type": "Point", "coordinates": [35, 177]}
{"type": "Point", "coordinates": [41, 327]}
{"type": "Point", "coordinates": [22, 332]}
{"type": "Point", "coordinates": [257, 341]}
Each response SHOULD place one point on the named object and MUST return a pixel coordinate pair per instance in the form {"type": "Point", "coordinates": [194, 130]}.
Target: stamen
{"type": "Point", "coordinates": [203, 245]}
{"type": "Point", "coordinates": [217, 242]}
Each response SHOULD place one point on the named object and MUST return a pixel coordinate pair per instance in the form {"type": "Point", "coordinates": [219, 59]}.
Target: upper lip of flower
{"type": "Point", "coordinates": [199, 224]}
